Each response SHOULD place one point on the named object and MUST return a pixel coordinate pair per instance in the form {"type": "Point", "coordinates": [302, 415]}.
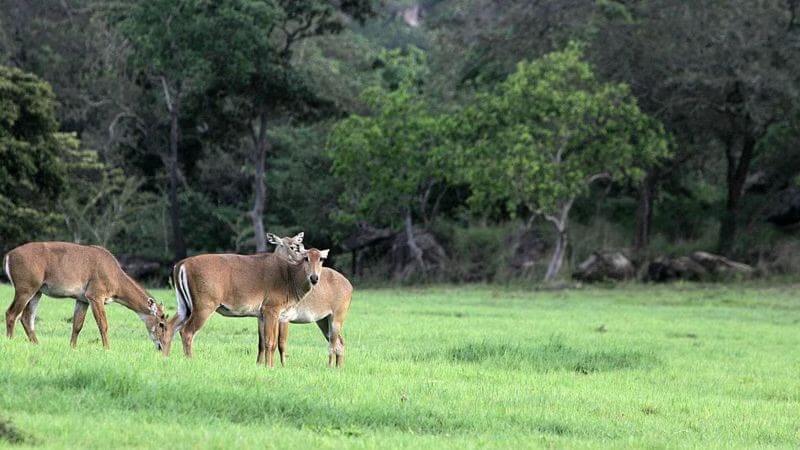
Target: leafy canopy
{"type": "Point", "coordinates": [547, 132]}
{"type": "Point", "coordinates": [193, 42]}
{"type": "Point", "coordinates": [31, 171]}
{"type": "Point", "coordinates": [386, 159]}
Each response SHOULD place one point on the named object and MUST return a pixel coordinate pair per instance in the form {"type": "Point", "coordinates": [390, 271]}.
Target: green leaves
{"type": "Point", "coordinates": [386, 159]}
{"type": "Point", "coordinates": [547, 132]}
{"type": "Point", "coordinates": [31, 171]}
{"type": "Point", "coordinates": [536, 142]}
{"type": "Point", "coordinates": [194, 43]}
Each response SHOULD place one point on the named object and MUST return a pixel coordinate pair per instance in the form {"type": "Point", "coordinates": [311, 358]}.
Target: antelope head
{"type": "Point", "coordinates": [312, 263]}
{"type": "Point", "coordinates": [156, 322]}
{"type": "Point", "coordinates": [289, 248]}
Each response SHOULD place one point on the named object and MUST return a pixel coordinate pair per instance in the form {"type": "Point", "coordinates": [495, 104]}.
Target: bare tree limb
{"type": "Point", "coordinates": [167, 97]}
{"type": "Point", "coordinates": [596, 177]}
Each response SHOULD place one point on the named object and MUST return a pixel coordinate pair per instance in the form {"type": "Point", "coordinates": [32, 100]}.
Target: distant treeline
{"type": "Point", "coordinates": [442, 139]}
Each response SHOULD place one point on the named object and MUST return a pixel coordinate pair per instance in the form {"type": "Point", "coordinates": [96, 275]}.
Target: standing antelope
{"type": "Point", "coordinates": [88, 273]}
{"type": "Point", "coordinates": [261, 285]}
{"type": "Point", "coordinates": [327, 305]}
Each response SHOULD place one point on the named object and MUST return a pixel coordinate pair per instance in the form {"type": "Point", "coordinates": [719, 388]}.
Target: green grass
{"type": "Point", "coordinates": [471, 367]}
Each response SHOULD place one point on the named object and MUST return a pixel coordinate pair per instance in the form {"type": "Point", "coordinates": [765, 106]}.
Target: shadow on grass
{"type": "Point", "coordinates": [11, 434]}
{"type": "Point", "coordinates": [105, 389]}
{"type": "Point", "coordinates": [254, 400]}
{"type": "Point", "coordinates": [553, 355]}
{"type": "Point", "coordinates": [113, 389]}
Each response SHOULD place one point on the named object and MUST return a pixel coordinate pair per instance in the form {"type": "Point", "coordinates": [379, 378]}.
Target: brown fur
{"type": "Point", "coordinates": [327, 304]}
{"type": "Point", "coordinates": [237, 285]}
{"type": "Point", "coordinates": [89, 274]}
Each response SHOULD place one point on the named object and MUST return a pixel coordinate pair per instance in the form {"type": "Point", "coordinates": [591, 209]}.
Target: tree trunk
{"type": "Point", "coordinates": [416, 252]}
{"type": "Point", "coordinates": [560, 224]}
{"type": "Point", "coordinates": [178, 245]}
{"type": "Point", "coordinates": [736, 177]}
{"type": "Point", "coordinates": [557, 259]}
{"type": "Point", "coordinates": [260, 147]}
{"type": "Point", "coordinates": [644, 213]}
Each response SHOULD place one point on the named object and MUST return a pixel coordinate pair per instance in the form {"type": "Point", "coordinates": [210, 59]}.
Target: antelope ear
{"type": "Point", "coordinates": [272, 239]}
{"type": "Point", "coordinates": [323, 254]}
{"type": "Point", "coordinates": [151, 304]}
{"type": "Point", "coordinates": [299, 237]}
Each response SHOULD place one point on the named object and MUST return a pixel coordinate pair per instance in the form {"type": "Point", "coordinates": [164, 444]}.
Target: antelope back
{"type": "Point", "coordinates": [63, 265]}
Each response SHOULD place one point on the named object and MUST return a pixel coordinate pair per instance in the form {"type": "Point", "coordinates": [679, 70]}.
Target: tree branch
{"type": "Point", "coordinates": [116, 119]}
{"type": "Point", "coordinates": [596, 177]}
{"type": "Point", "coordinates": [552, 219]}
{"type": "Point", "coordinates": [166, 93]}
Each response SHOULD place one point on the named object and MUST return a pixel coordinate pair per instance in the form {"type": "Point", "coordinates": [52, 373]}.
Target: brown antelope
{"type": "Point", "coordinates": [327, 304]}
{"type": "Point", "coordinates": [88, 273]}
{"type": "Point", "coordinates": [261, 285]}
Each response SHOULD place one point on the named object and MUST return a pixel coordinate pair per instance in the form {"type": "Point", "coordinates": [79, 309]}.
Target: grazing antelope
{"type": "Point", "coordinates": [88, 273]}
{"type": "Point", "coordinates": [327, 305]}
{"type": "Point", "coordinates": [261, 285]}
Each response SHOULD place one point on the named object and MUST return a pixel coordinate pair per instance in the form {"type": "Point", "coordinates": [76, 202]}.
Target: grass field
{"type": "Point", "coordinates": [471, 367]}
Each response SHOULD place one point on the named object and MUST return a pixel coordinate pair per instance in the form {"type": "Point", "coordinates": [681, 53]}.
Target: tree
{"type": "Point", "coordinates": [99, 200]}
{"type": "Point", "coordinates": [31, 171]}
{"type": "Point", "coordinates": [274, 88]}
{"type": "Point", "coordinates": [747, 77]}
{"type": "Point", "coordinates": [387, 160]}
{"type": "Point", "coordinates": [183, 47]}
{"type": "Point", "coordinates": [717, 74]}
{"type": "Point", "coordinates": [548, 132]}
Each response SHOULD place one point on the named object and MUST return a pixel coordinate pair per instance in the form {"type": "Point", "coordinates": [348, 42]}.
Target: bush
{"type": "Point", "coordinates": [479, 253]}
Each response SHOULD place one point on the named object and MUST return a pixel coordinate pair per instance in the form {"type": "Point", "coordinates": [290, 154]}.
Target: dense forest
{"type": "Point", "coordinates": [443, 140]}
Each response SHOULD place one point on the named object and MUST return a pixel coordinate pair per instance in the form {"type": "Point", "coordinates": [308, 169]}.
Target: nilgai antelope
{"type": "Point", "coordinates": [89, 274]}
{"type": "Point", "coordinates": [261, 285]}
{"type": "Point", "coordinates": [327, 305]}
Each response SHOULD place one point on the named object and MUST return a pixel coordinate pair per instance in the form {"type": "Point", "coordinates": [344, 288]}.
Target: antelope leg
{"type": "Point", "coordinates": [78, 316]}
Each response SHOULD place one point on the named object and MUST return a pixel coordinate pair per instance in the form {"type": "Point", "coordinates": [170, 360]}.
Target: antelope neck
{"type": "Point", "coordinates": [296, 280]}
{"type": "Point", "coordinates": [132, 296]}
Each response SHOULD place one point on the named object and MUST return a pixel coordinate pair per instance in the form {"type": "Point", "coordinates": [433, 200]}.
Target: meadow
{"type": "Point", "coordinates": [708, 366]}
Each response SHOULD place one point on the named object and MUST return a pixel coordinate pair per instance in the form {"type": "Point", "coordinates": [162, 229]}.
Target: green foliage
{"type": "Point", "coordinates": [615, 10]}
{"type": "Point", "coordinates": [305, 195]}
{"type": "Point", "coordinates": [478, 253]}
{"type": "Point", "coordinates": [146, 231]}
{"type": "Point", "coordinates": [193, 42]}
{"type": "Point", "coordinates": [211, 226]}
{"type": "Point", "coordinates": [777, 151]}
{"type": "Point", "coordinates": [31, 172]}
{"type": "Point", "coordinates": [100, 201]}
{"type": "Point", "coordinates": [404, 68]}
{"type": "Point", "coordinates": [386, 160]}
{"type": "Point", "coordinates": [551, 128]}
{"type": "Point", "coordinates": [228, 64]}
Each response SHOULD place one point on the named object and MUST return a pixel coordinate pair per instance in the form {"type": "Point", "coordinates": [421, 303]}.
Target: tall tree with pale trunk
{"type": "Point", "coordinates": [545, 135]}
{"type": "Point", "coordinates": [182, 47]}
